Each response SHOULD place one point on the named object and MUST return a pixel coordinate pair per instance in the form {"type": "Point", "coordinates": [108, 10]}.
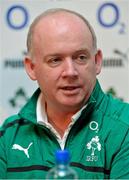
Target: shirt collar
{"type": "Point", "coordinates": [40, 111]}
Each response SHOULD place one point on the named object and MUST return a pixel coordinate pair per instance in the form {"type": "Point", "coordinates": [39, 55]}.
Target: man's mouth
{"type": "Point", "coordinates": [69, 88]}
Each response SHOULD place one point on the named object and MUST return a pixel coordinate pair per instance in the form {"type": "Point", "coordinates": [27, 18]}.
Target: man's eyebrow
{"type": "Point", "coordinates": [52, 55]}
{"type": "Point", "coordinates": [82, 51]}
{"type": "Point", "coordinates": [61, 54]}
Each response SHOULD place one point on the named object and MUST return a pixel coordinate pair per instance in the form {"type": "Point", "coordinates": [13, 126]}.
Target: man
{"type": "Point", "coordinates": [69, 110]}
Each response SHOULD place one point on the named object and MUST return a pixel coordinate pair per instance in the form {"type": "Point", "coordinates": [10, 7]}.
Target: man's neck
{"type": "Point", "coordinates": [59, 120]}
{"type": "Point", "coordinates": [59, 117]}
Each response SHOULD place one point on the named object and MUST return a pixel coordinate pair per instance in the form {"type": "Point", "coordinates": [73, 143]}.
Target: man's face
{"type": "Point", "coordinates": [64, 63]}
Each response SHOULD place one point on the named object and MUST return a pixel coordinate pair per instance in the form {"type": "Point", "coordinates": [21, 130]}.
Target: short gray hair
{"type": "Point", "coordinates": [54, 11]}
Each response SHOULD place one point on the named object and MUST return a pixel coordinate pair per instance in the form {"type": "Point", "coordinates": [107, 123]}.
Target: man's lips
{"type": "Point", "coordinates": [70, 89]}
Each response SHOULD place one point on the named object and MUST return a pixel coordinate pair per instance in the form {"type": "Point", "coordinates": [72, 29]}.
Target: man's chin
{"type": "Point", "coordinates": [71, 106]}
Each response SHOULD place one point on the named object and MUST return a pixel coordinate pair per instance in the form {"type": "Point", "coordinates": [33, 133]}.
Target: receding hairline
{"type": "Point", "coordinates": [50, 12]}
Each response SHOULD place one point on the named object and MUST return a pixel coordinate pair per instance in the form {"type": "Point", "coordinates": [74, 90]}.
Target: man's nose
{"type": "Point", "coordinates": [69, 68]}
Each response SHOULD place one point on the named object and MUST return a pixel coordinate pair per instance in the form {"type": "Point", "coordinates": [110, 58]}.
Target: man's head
{"type": "Point", "coordinates": [63, 58]}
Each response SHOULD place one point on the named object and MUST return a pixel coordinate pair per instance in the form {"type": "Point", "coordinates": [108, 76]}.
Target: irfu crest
{"type": "Point", "coordinates": [94, 144]}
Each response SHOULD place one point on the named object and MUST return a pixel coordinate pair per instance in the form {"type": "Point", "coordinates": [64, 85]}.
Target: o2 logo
{"type": "Point", "coordinates": [17, 17]}
{"type": "Point", "coordinates": [109, 16]}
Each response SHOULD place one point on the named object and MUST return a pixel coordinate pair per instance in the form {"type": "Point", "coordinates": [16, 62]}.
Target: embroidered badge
{"type": "Point", "coordinates": [93, 145]}
{"type": "Point", "coordinates": [94, 126]}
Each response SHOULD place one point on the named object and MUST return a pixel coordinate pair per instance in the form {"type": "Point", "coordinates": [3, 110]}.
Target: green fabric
{"type": "Point", "coordinates": [98, 141]}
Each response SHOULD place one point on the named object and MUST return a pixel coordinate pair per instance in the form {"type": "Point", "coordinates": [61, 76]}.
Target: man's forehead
{"type": "Point", "coordinates": [62, 22]}
{"type": "Point", "coordinates": [60, 17]}
{"type": "Point", "coordinates": [59, 24]}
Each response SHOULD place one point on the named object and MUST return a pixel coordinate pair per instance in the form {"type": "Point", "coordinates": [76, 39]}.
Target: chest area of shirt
{"type": "Point", "coordinates": [39, 145]}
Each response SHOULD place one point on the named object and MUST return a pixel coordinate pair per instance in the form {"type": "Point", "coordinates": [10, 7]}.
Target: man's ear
{"type": "Point", "coordinates": [30, 67]}
{"type": "Point", "coordinates": [98, 61]}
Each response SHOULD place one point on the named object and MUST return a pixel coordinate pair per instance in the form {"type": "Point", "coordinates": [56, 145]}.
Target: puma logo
{"type": "Point", "coordinates": [20, 148]}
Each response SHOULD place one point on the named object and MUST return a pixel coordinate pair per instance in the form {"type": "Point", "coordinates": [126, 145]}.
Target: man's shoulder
{"type": "Point", "coordinates": [115, 121]}
{"type": "Point", "coordinates": [124, 113]}
{"type": "Point", "coordinates": [10, 119]}
{"type": "Point", "coordinates": [118, 109]}
{"type": "Point", "coordinates": [9, 123]}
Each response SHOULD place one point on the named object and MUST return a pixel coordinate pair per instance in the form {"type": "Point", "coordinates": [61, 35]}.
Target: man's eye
{"type": "Point", "coordinates": [82, 58]}
{"type": "Point", "coordinates": [54, 62]}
